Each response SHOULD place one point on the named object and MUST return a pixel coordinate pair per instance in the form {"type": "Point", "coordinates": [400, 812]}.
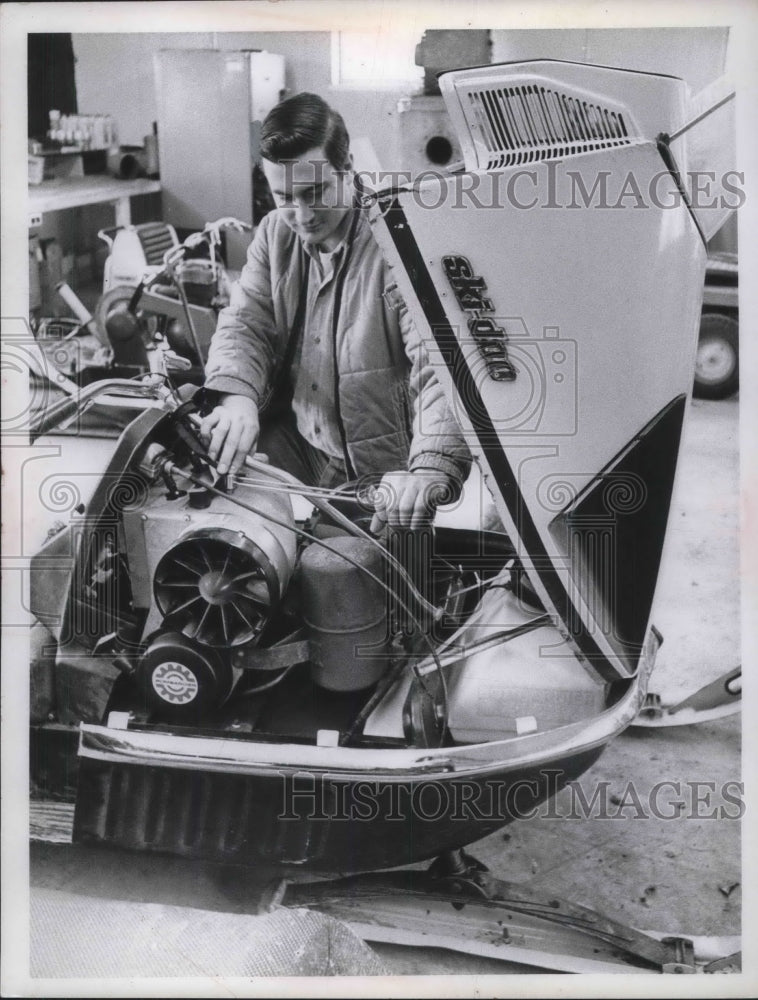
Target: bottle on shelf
{"type": "Point", "coordinates": [55, 121]}
{"type": "Point", "coordinates": [82, 132]}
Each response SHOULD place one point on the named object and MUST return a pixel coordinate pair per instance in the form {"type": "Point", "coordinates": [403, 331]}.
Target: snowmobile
{"type": "Point", "coordinates": [218, 676]}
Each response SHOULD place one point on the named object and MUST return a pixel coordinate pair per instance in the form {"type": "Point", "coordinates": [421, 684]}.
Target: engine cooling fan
{"type": "Point", "coordinates": [216, 587]}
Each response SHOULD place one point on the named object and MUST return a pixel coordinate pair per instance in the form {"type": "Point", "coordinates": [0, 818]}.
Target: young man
{"type": "Point", "coordinates": [316, 326]}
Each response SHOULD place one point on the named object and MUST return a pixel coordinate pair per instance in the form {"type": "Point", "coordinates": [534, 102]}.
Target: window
{"type": "Point", "coordinates": [375, 59]}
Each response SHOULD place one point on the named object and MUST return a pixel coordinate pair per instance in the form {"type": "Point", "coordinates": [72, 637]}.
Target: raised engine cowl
{"type": "Point", "coordinates": [212, 574]}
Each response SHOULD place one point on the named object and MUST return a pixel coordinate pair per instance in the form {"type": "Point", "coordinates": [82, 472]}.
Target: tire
{"type": "Point", "coordinates": [127, 335]}
{"type": "Point", "coordinates": [114, 301]}
{"type": "Point", "coordinates": [42, 647]}
{"type": "Point", "coordinates": [117, 301]}
{"type": "Point", "coordinates": [717, 361]}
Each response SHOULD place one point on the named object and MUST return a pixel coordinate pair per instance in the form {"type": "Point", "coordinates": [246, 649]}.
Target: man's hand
{"type": "Point", "coordinates": [409, 499]}
{"type": "Point", "coordinates": [231, 432]}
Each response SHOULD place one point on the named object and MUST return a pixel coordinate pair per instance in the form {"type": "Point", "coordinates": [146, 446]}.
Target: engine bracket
{"type": "Point", "coordinates": [271, 658]}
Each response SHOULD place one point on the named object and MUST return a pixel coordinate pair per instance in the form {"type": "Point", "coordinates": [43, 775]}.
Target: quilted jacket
{"type": "Point", "coordinates": [391, 409]}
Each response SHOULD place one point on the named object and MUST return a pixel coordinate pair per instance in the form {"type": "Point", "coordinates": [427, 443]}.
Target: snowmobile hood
{"type": "Point", "coordinates": [556, 283]}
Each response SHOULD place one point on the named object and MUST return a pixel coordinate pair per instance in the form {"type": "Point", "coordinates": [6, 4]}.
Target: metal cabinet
{"type": "Point", "coordinates": [210, 106]}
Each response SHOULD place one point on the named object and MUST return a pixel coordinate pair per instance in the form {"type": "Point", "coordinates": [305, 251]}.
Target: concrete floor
{"type": "Point", "coordinates": [667, 874]}
{"type": "Point", "coordinates": [674, 875]}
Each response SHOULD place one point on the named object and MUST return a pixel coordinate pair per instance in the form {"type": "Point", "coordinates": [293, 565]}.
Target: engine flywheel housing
{"type": "Point", "coordinates": [181, 680]}
{"type": "Point", "coordinates": [216, 587]}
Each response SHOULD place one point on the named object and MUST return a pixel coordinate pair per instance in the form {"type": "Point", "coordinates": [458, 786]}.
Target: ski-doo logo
{"type": "Point", "coordinates": [469, 289]}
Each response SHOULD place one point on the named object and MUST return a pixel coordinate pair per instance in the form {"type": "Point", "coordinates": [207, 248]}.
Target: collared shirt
{"type": "Point", "coordinates": [313, 396]}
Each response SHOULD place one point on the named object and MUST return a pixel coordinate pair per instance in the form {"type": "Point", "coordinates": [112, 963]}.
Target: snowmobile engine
{"type": "Point", "coordinates": [210, 575]}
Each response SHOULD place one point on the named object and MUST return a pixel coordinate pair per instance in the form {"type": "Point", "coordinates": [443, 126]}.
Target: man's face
{"type": "Point", "coordinates": [313, 197]}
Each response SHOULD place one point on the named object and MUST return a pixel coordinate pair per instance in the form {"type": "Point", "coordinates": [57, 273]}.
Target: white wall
{"type": "Point", "coordinates": [114, 75]}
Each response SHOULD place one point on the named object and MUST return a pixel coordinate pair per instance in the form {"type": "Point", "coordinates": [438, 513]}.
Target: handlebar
{"type": "Point", "coordinates": [228, 222]}
{"type": "Point", "coordinates": [211, 234]}
{"type": "Point", "coordinates": [107, 235]}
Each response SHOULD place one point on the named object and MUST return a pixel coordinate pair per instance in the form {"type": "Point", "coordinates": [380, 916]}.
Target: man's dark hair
{"type": "Point", "coordinates": [304, 122]}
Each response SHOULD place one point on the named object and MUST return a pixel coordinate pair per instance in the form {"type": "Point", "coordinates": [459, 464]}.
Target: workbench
{"type": "Point", "coordinates": [74, 192]}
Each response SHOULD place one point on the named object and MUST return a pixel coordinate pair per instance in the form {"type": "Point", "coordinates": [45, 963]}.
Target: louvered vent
{"type": "Point", "coordinates": [156, 238]}
{"type": "Point", "coordinates": [526, 123]}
